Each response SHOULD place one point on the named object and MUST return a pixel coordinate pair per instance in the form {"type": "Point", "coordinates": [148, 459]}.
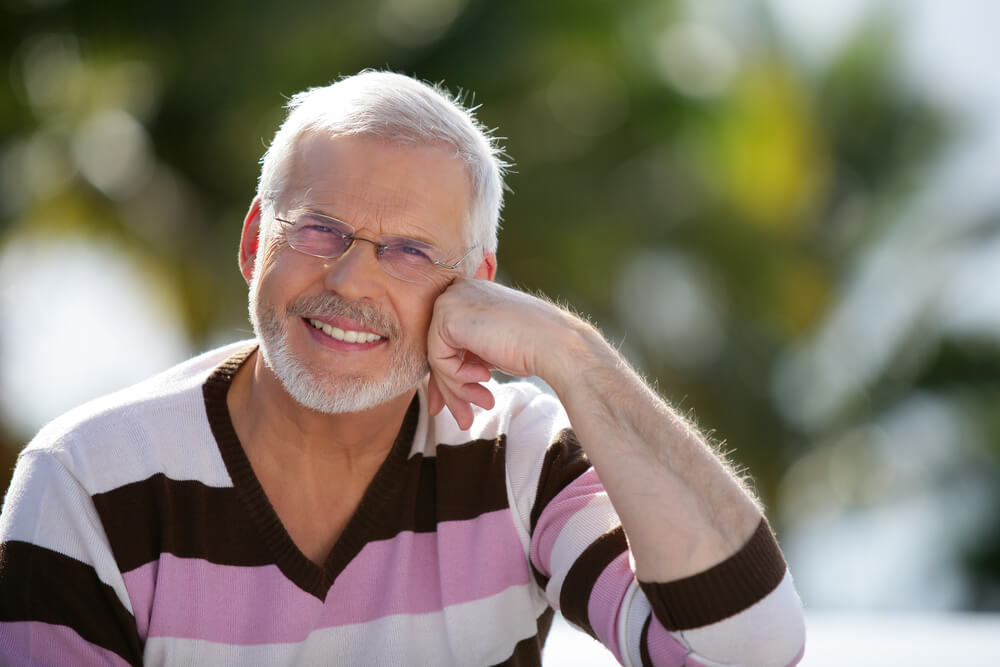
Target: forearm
{"type": "Point", "coordinates": [708, 566]}
{"type": "Point", "coordinates": [682, 508]}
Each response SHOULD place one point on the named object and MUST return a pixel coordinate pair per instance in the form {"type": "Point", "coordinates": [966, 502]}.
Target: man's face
{"type": "Point", "coordinates": [317, 319]}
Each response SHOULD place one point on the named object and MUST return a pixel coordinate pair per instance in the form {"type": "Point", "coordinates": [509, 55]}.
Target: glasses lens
{"type": "Point", "coordinates": [407, 259]}
{"type": "Point", "coordinates": [320, 236]}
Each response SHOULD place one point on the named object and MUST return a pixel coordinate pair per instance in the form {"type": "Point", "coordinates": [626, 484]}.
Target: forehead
{"type": "Point", "coordinates": [381, 185]}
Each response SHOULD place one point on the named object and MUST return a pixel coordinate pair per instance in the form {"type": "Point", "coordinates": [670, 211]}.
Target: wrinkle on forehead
{"type": "Point", "coordinates": [380, 198]}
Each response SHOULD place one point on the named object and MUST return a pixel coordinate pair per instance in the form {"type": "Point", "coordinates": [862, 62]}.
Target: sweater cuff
{"type": "Point", "coordinates": [723, 590]}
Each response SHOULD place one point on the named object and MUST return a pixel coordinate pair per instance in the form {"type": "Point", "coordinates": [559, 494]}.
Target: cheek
{"type": "Point", "coordinates": [278, 257]}
{"type": "Point", "coordinates": [280, 272]}
{"type": "Point", "coordinates": [415, 311]}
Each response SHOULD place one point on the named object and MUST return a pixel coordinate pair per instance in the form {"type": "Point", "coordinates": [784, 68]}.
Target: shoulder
{"type": "Point", "coordinates": [109, 432]}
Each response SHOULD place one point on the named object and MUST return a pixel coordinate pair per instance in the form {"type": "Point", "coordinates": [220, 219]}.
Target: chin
{"type": "Point", "coordinates": [343, 395]}
{"type": "Point", "coordinates": [330, 393]}
{"type": "Point", "coordinates": [333, 394]}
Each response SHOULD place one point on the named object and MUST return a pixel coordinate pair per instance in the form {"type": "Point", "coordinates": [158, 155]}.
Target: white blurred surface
{"type": "Point", "coordinates": [79, 317]}
{"type": "Point", "coordinates": [843, 639]}
{"type": "Point", "coordinates": [913, 640]}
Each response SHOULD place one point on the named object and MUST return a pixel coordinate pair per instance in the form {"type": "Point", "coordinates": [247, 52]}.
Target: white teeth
{"type": "Point", "coordinates": [346, 336]}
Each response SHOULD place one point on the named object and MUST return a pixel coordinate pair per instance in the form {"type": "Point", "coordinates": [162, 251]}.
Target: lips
{"type": "Point", "coordinates": [346, 335]}
{"type": "Point", "coordinates": [338, 319]}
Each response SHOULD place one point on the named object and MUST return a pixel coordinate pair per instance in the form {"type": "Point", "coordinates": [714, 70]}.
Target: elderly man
{"type": "Point", "coordinates": [352, 487]}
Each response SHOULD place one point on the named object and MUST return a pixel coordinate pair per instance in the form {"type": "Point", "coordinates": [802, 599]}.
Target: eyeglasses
{"type": "Point", "coordinates": [329, 238]}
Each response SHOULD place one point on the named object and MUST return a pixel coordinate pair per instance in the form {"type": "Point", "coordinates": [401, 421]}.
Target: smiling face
{"type": "Point", "coordinates": [342, 335]}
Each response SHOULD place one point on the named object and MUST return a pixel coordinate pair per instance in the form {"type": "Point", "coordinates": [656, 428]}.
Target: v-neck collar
{"type": "Point", "coordinates": [307, 575]}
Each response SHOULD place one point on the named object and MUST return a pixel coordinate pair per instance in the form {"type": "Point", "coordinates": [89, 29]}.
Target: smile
{"type": "Point", "coordinates": [347, 336]}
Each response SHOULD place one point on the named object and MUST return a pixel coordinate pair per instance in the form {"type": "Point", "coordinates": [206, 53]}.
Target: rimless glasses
{"type": "Point", "coordinates": [406, 259]}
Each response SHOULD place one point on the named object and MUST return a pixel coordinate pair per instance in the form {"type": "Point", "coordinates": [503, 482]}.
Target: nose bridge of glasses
{"type": "Point", "coordinates": [379, 247]}
{"type": "Point", "coordinates": [354, 272]}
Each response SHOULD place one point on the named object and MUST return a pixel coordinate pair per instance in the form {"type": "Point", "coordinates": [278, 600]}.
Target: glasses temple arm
{"type": "Point", "coordinates": [455, 265]}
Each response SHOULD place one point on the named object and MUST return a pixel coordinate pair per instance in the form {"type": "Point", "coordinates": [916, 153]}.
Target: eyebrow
{"type": "Point", "coordinates": [412, 237]}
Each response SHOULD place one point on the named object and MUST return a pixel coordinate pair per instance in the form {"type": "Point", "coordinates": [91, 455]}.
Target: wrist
{"type": "Point", "coordinates": [578, 348]}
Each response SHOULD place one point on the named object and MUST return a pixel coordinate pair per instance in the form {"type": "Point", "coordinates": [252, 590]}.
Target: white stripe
{"type": "Point", "coordinates": [583, 528]}
{"type": "Point", "coordinates": [475, 633]}
{"type": "Point", "coordinates": [46, 507]}
{"type": "Point", "coordinates": [630, 624]}
{"type": "Point", "coordinates": [527, 443]}
{"type": "Point", "coordinates": [635, 610]}
{"type": "Point", "coordinates": [770, 632]}
{"type": "Point", "coordinates": [132, 434]}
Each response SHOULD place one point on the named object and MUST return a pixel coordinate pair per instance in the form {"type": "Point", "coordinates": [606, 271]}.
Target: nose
{"type": "Point", "coordinates": [378, 246]}
{"type": "Point", "coordinates": [356, 273]}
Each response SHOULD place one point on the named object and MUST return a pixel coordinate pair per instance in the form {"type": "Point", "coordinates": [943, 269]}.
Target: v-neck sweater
{"type": "Point", "coordinates": [135, 531]}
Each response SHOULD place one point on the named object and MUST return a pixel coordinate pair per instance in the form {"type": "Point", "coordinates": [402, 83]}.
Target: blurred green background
{"type": "Point", "coordinates": [784, 213]}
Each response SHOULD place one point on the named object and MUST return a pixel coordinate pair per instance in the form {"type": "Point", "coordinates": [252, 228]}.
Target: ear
{"type": "Point", "coordinates": [248, 239]}
{"type": "Point", "coordinates": [487, 268]}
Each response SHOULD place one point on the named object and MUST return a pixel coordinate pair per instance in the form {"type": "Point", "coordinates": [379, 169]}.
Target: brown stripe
{"type": "Point", "coordinates": [723, 590]}
{"type": "Point", "coordinates": [184, 518]}
{"type": "Point", "coordinates": [574, 598]}
{"type": "Point", "coordinates": [460, 483]}
{"type": "Point", "coordinates": [471, 479]}
{"type": "Point", "coordinates": [407, 493]}
{"type": "Point", "coordinates": [38, 584]}
{"type": "Point", "coordinates": [540, 579]}
{"type": "Point", "coordinates": [192, 520]}
{"type": "Point", "coordinates": [528, 652]}
{"type": "Point", "coordinates": [647, 660]}
{"type": "Point", "coordinates": [564, 461]}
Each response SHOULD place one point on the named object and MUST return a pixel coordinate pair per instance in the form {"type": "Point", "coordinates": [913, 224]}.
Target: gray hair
{"type": "Point", "coordinates": [400, 109]}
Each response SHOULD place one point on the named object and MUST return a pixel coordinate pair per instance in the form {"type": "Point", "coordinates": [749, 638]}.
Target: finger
{"type": "Point", "coordinates": [471, 358]}
{"type": "Point", "coordinates": [477, 394]}
{"type": "Point", "coordinates": [435, 402]}
{"type": "Point", "coordinates": [472, 372]}
{"type": "Point", "coordinates": [460, 399]}
{"type": "Point", "coordinates": [446, 364]}
{"type": "Point", "coordinates": [465, 384]}
{"type": "Point", "coordinates": [459, 409]}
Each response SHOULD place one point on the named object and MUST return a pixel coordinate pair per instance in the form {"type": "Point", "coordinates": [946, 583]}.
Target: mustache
{"type": "Point", "coordinates": [332, 305]}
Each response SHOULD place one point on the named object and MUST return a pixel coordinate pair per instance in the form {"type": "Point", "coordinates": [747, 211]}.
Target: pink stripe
{"type": "Point", "coordinates": [140, 584]}
{"type": "Point", "coordinates": [412, 573]}
{"type": "Point", "coordinates": [606, 601]}
{"type": "Point", "coordinates": [573, 498]}
{"type": "Point", "coordinates": [664, 649]}
{"type": "Point", "coordinates": [36, 643]}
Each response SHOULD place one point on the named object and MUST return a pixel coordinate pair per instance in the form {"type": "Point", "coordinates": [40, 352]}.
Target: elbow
{"type": "Point", "coordinates": [770, 633]}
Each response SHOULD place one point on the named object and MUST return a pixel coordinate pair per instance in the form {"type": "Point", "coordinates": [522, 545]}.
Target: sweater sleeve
{"type": "Point", "coordinates": [62, 598]}
{"type": "Point", "coordinates": [743, 611]}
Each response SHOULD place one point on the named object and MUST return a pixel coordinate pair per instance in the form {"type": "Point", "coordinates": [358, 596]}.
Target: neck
{"type": "Point", "coordinates": [271, 423]}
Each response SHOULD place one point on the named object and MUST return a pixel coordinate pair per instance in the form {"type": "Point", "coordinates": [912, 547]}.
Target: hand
{"type": "Point", "coordinates": [479, 325]}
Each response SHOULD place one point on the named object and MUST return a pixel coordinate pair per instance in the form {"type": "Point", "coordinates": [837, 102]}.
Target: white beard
{"type": "Point", "coordinates": [331, 393]}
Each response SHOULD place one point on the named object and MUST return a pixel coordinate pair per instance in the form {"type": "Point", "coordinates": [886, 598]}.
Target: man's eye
{"type": "Point", "coordinates": [320, 229]}
{"type": "Point", "coordinates": [410, 252]}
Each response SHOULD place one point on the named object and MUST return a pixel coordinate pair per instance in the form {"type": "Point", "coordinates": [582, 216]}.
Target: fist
{"type": "Point", "coordinates": [478, 326]}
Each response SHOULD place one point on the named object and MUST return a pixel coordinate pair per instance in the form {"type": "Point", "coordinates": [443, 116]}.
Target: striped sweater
{"type": "Point", "coordinates": [135, 532]}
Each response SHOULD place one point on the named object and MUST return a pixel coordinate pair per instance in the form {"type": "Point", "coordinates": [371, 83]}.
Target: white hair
{"type": "Point", "coordinates": [400, 109]}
